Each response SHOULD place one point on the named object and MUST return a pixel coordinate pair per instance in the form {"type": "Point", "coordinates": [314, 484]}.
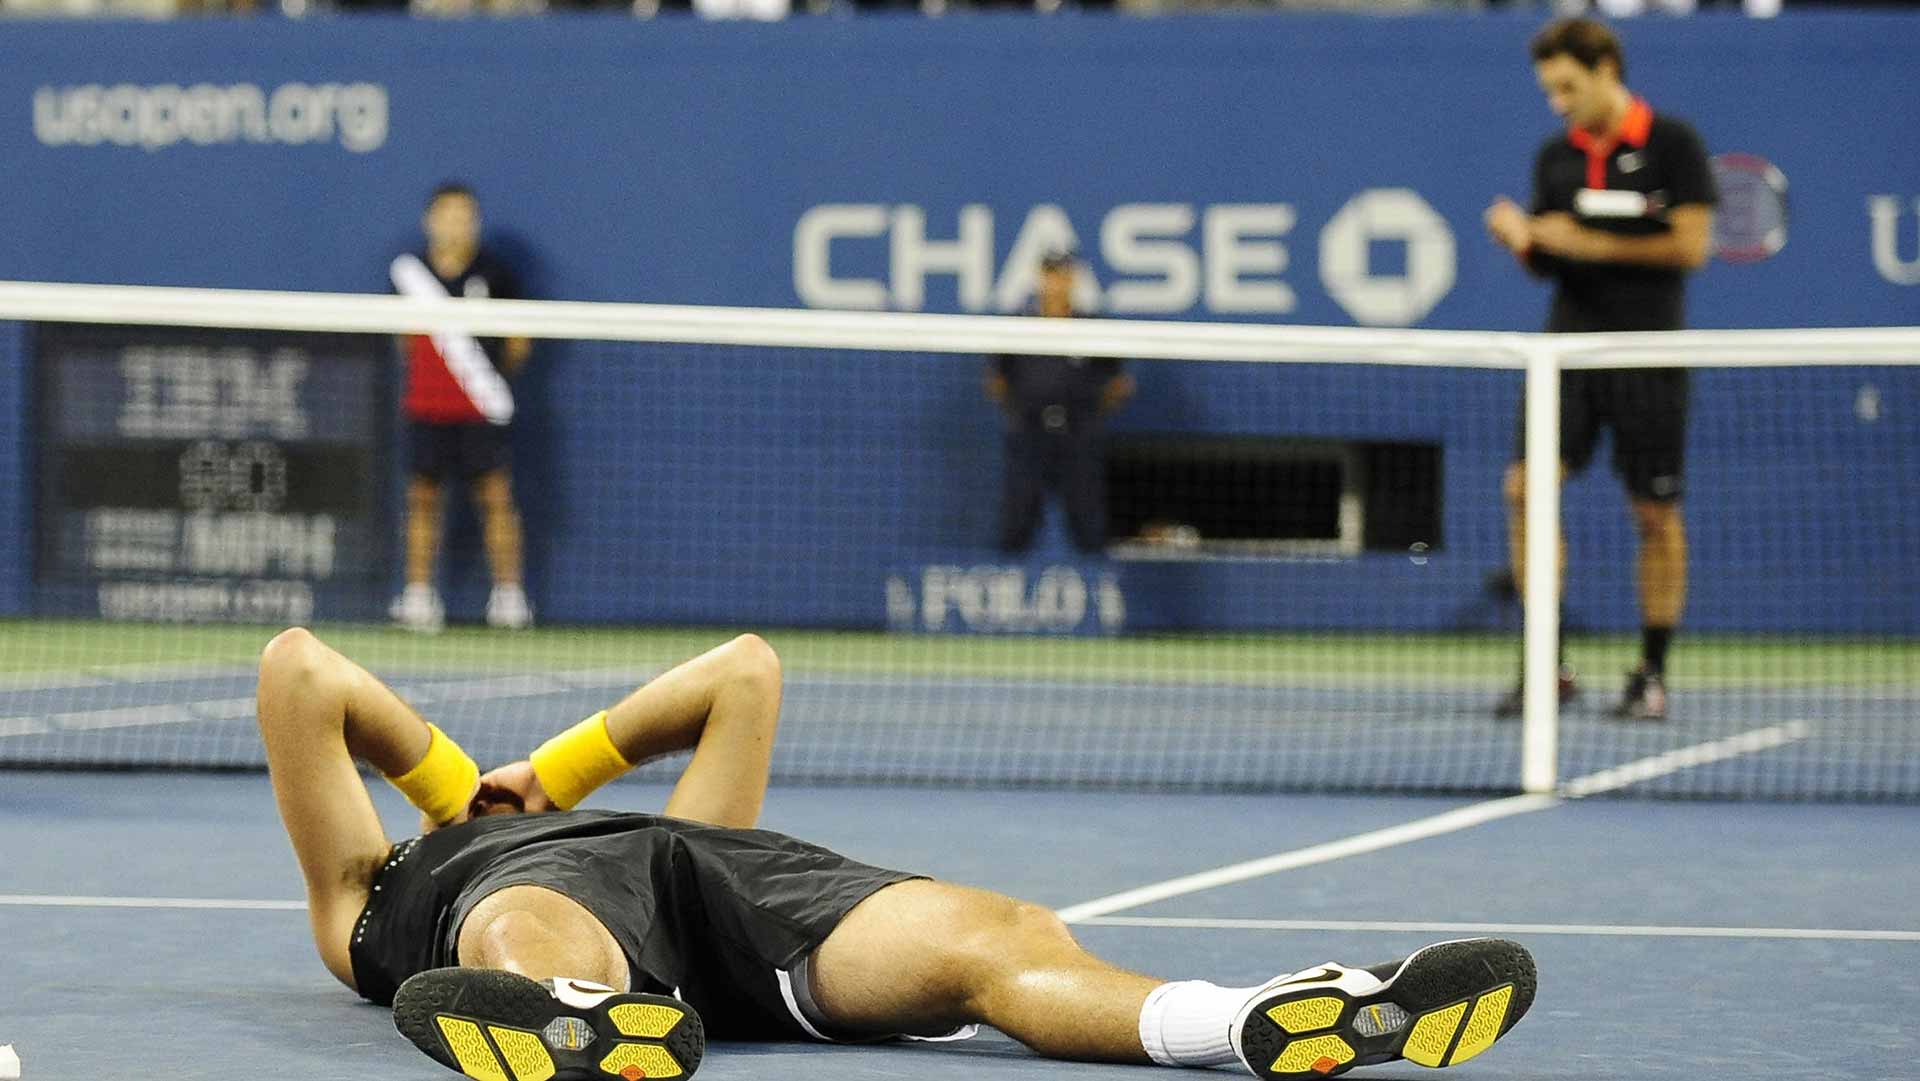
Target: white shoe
{"type": "Point", "coordinates": [1440, 1006]}
{"type": "Point", "coordinates": [418, 608]}
{"type": "Point", "coordinates": [507, 608]}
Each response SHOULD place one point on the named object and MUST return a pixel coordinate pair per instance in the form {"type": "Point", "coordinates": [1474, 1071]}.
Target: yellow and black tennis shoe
{"type": "Point", "coordinates": [1439, 1007]}
{"type": "Point", "coordinates": [501, 1026]}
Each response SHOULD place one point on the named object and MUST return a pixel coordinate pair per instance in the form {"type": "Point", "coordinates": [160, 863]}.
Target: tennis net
{"type": "Point", "coordinates": [1302, 581]}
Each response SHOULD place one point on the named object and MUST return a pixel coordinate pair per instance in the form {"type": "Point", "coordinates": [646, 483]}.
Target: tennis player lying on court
{"type": "Point", "coordinates": [593, 944]}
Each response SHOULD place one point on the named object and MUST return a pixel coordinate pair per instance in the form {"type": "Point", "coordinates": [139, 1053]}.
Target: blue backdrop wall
{"type": "Point", "coordinates": [1311, 170]}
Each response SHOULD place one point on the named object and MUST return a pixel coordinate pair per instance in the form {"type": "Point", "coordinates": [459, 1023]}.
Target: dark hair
{"type": "Point", "coordinates": [1589, 42]}
{"type": "Point", "coordinates": [449, 187]}
{"type": "Point", "coordinates": [1058, 258]}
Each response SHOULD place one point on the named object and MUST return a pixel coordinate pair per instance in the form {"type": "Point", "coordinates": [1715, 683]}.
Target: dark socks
{"type": "Point", "coordinates": [1653, 648]}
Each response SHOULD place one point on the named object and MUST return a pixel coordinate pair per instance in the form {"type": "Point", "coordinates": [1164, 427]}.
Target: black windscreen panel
{"type": "Point", "coordinates": [1274, 496]}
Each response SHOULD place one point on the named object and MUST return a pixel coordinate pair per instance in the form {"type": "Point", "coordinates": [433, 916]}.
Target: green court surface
{"type": "Point", "coordinates": [1295, 659]}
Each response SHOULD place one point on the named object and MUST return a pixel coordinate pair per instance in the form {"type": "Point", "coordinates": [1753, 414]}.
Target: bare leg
{"type": "Point", "coordinates": [1514, 487]}
{"type": "Point", "coordinates": [319, 711]}
{"type": "Point", "coordinates": [541, 934]}
{"type": "Point", "coordinates": [423, 528]}
{"type": "Point", "coordinates": [1663, 561]}
{"type": "Point", "coordinates": [924, 957]}
{"type": "Point", "coordinates": [500, 525]}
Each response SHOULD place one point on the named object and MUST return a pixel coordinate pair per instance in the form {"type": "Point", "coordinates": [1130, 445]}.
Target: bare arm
{"type": "Point", "coordinates": [1685, 246]}
{"type": "Point", "coordinates": [1116, 393]}
{"type": "Point", "coordinates": [1512, 229]}
{"type": "Point", "coordinates": [1509, 226]}
{"type": "Point", "coordinates": [724, 705]}
{"type": "Point", "coordinates": [318, 711]}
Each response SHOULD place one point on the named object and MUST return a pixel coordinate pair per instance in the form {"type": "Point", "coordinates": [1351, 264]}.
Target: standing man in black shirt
{"type": "Point", "coordinates": [1055, 408]}
{"type": "Point", "coordinates": [1622, 210]}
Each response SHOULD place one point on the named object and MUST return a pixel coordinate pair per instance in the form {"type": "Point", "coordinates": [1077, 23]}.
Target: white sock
{"type": "Point", "coordinates": [1187, 1023]}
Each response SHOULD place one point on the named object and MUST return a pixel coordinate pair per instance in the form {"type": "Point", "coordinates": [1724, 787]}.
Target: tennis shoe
{"type": "Point", "coordinates": [507, 608]}
{"type": "Point", "coordinates": [493, 1025]}
{"type": "Point", "coordinates": [418, 608]}
{"type": "Point", "coordinates": [1513, 703]}
{"type": "Point", "coordinates": [1440, 1006]}
{"type": "Point", "coordinates": [1645, 698]}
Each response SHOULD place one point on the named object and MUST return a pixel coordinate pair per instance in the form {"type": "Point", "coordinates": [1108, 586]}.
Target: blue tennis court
{"type": "Point", "coordinates": [152, 926]}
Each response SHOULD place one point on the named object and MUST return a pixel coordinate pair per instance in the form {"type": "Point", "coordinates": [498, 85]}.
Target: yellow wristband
{"type": "Point", "coordinates": [577, 761]}
{"type": "Point", "coordinates": [445, 780]}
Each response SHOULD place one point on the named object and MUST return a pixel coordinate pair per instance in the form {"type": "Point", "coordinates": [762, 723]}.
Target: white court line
{"type": "Point", "coordinates": [480, 690]}
{"type": "Point", "coordinates": [122, 717]}
{"type": "Point", "coordinates": [50, 681]}
{"type": "Point", "coordinates": [1601, 929]}
{"type": "Point", "coordinates": [172, 671]}
{"type": "Point", "coordinates": [630, 675]}
{"type": "Point", "coordinates": [1449, 822]}
{"type": "Point", "coordinates": [421, 693]}
{"type": "Point", "coordinates": [524, 685]}
{"type": "Point", "coordinates": [1659, 765]}
{"type": "Point", "coordinates": [120, 674]}
{"type": "Point", "coordinates": [228, 709]}
{"type": "Point", "coordinates": [29, 900]}
{"type": "Point", "coordinates": [108, 674]}
{"type": "Point", "coordinates": [1457, 819]}
{"type": "Point", "coordinates": [1163, 922]}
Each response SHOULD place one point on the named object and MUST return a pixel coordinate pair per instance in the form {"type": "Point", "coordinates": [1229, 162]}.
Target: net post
{"type": "Point", "coordinates": [1540, 592]}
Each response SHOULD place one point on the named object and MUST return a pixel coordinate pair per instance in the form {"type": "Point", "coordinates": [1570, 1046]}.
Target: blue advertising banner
{"type": "Point", "coordinates": [1317, 170]}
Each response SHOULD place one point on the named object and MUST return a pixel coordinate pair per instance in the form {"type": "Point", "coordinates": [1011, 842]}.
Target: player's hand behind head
{"type": "Point", "coordinates": [511, 789]}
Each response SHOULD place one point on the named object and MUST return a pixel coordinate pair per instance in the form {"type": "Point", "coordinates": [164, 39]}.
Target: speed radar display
{"type": "Point", "coordinates": [211, 475]}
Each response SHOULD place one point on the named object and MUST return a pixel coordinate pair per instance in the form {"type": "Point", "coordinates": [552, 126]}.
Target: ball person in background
{"type": "Point", "coordinates": [459, 408]}
{"type": "Point", "coordinates": [1622, 211]}
{"type": "Point", "coordinates": [1055, 412]}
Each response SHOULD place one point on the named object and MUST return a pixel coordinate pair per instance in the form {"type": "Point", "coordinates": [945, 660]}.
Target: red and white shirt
{"type": "Point", "coordinates": [452, 377]}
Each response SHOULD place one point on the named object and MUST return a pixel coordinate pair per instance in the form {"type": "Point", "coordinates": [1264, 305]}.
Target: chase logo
{"type": "Point", "coordinates": [1387, 216]}
{"type": "Point", "coordinates": [1157, 258]}
{"type": "Point", "coordinates": [156, 118]}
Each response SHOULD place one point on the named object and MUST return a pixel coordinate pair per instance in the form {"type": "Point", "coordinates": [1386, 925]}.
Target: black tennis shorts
{"type": "Point", "coordinates": [718, 917]}
{"type": "Point", "coordinates": [1646, 409]}
{"type": "Point", "coordinates": [444, 452]}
